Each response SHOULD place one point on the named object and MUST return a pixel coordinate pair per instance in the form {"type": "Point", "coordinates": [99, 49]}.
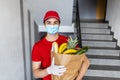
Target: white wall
{"type": "Point", "coordinates": [11, 51]}
{"type": "Point", "coordinates": [64, 7]}
{"type": "Point", "coordinates": [113, 16]}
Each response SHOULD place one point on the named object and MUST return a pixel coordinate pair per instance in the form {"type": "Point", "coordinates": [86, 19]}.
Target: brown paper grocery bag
{"type": "Point", "coordinates": [71, 62]}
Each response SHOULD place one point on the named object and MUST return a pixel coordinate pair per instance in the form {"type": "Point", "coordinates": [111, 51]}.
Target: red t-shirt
{"type": "Point", "coordinates": [42, 52]}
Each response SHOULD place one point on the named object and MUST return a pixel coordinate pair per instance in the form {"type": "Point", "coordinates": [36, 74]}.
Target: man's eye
{"type": "Point", "coordinates": [56, 22]}
{"type": "Point", "coordinates": [47, 22]}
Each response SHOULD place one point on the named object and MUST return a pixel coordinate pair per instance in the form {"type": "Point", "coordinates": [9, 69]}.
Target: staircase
{"type": "Point", "coordinates": [104, 55]}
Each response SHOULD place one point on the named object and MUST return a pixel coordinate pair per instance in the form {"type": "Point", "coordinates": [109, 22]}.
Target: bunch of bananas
{"type": "Point", "coordinates": [69, 47]}
{"type": "Point", "coordinates": [76, 51]}
{"type": "Point", "coordinates": [63, 49]}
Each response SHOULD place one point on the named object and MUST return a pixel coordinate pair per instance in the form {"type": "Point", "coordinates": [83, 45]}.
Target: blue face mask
{"type": "Point", "coordinates": [52, 29]}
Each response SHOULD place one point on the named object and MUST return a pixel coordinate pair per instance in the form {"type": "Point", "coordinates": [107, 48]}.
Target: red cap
{"type": "Point", "coordinates": [51, 14]}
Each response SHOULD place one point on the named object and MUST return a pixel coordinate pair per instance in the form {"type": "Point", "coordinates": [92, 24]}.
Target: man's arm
{"type": "Point", "coordinates": [52, 69]}
{"type": "Point", "coordinates": [37, 72]}
{"type": "Point", "coordinates": [83, 69]}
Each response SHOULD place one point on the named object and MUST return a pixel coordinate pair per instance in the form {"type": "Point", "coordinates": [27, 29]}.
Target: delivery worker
{"type": "Point", "coordinates": [42, 65]}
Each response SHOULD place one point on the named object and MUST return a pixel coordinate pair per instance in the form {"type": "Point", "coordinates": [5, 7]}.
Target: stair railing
{"type": "Point", "coordinates": [77, 24]}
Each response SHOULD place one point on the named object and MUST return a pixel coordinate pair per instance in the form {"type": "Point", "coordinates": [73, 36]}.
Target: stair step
{"type": "Point", "coordinates": [95, 31]}
{"type": "Point", "coordinates": [94, 25]}
{"type": "Point", "coordinates": [99, 44]}
{"type": "Point", "coordinates": [104, 48]}
{"type": "Point", "coordinates": [96, 37]}
{"type": "Point", "coordinates": [99, 78]}
{"type": "Point", "coordinates": [107, 62]}
{"type": "Point", "coordinates": [99, 37]}
{"type": "Point", "coordinates": [103, 57]}
{"type": "Point", "coordinates": [103, 67]}
{"type": "Point", "coordinates": [103, 73]}
{"type": "Point", "coordinates": [104, 52]}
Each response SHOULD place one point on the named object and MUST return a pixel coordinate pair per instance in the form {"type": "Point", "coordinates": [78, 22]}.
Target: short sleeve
{"type": "Point", "coordinates": [62, 39]}
{"type": "Point", "coordinates": [36, 55]}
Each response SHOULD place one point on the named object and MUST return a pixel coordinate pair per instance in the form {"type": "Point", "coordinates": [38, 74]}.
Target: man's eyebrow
{"type": "Point", "coordinates": [47, 21]}
{"type": "Point", "coordinates": [56, 21]}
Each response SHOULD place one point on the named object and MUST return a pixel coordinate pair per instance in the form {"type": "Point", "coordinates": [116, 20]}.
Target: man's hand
{"type": "Point", "coordinates": [56, 70]}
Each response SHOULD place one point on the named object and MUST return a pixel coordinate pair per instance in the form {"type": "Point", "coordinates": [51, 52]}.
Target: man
{"type": "Point", "coordinates": [41, 53]}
